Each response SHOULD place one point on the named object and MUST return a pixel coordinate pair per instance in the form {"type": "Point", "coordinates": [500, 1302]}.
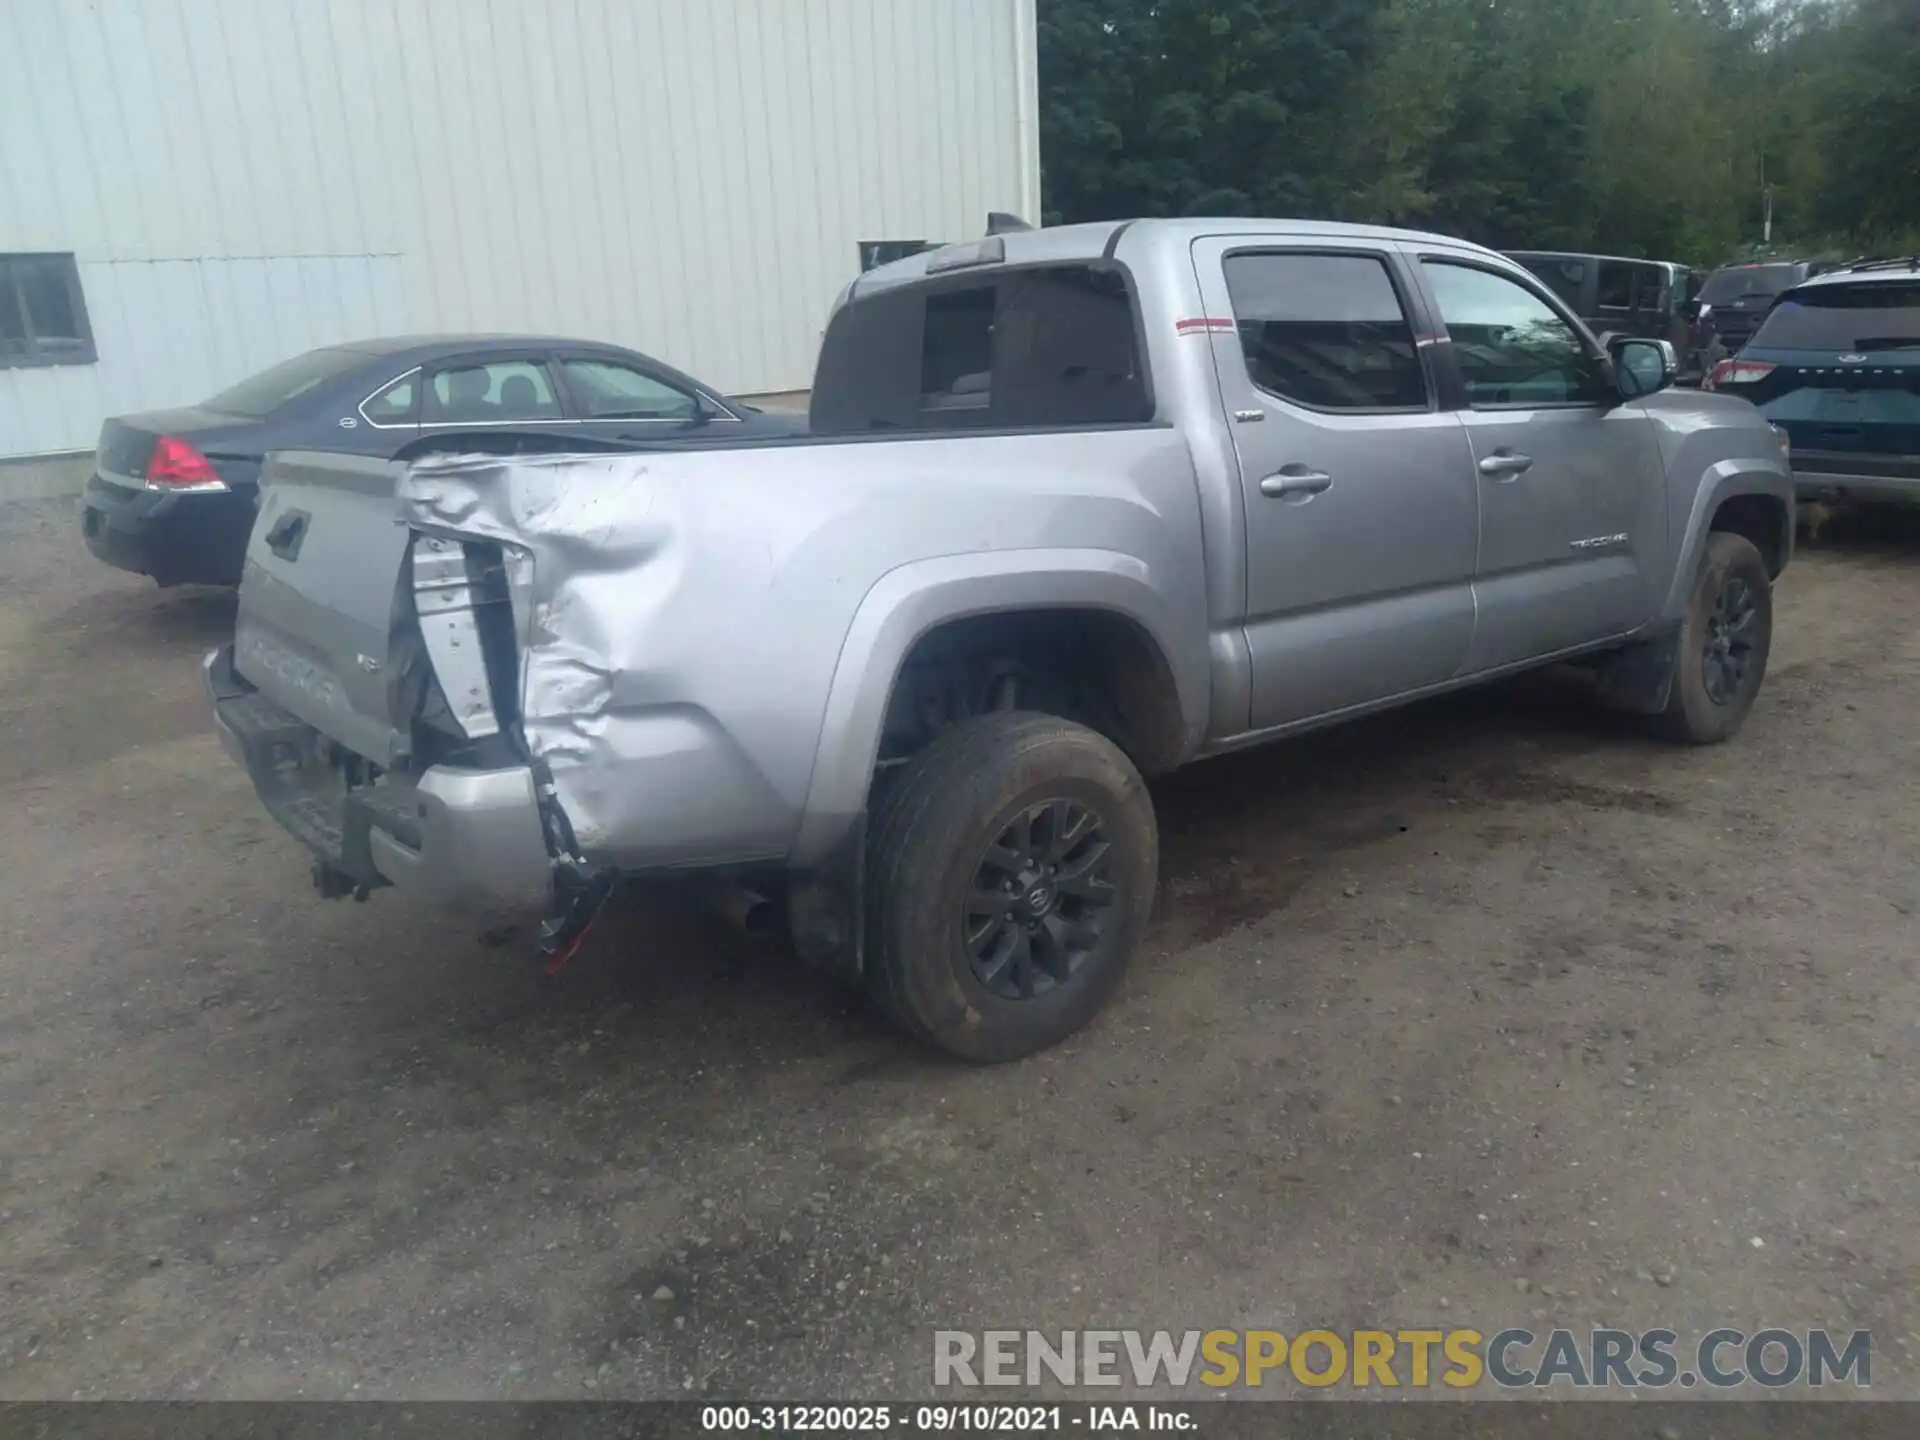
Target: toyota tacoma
{"type": "Point", "coordinates": [1076, 506]}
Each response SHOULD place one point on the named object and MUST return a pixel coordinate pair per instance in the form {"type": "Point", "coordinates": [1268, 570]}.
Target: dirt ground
{"type": "Point", "coordinates": [1486, 1013]}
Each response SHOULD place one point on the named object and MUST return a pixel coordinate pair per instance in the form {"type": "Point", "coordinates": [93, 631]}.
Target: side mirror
{"type": "Point", "coordinates": [1642, 367]}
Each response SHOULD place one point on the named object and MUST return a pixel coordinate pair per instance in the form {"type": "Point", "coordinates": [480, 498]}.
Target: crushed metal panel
{"type": "Point", "coordinates": [592, 549]}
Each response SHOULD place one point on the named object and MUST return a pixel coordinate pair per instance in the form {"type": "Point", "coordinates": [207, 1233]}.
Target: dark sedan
{"type": "Point", "coordinates": [173, 491]}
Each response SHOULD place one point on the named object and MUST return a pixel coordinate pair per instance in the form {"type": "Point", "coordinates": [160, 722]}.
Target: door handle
{"type": "Point", "coordinates": [1295, 483]}
{"type": "Point", "coordinates": [1505, 464]}
{"type": "Point", "coordinates": [286, 533]}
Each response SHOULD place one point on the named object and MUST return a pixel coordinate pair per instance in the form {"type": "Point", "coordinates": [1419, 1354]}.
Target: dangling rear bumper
{"type": "Point", "coordinates": [459, 837]}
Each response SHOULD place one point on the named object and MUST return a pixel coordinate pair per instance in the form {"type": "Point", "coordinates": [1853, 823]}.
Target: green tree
{"type": "Point", "coordinates": [1197, 106]}
{"type": "Point", "coordinates": [1643, 126]}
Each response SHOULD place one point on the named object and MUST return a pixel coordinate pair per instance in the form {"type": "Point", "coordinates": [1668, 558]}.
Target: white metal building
{"type": "Point", "coordinates": [239, 180]}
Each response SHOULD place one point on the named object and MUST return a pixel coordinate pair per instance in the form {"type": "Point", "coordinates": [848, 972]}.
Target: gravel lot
{"type": "Point", "coordinates": [1486, 1013]}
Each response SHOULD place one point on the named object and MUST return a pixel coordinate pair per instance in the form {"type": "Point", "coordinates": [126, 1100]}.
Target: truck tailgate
{"type": "Point", "coordinates": [318, 618]}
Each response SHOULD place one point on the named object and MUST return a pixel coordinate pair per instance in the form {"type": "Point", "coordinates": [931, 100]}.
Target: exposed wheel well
{"type": "Point", "coordinates": [1096, 667]}
{"type": "Point", "coordinates": [1765, 521]}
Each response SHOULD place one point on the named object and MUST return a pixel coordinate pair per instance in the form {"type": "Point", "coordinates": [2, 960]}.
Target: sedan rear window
{"type": "Point", "coordinates": [1844, 317]}
{"type": "Point", "coordinates": [262, 394]}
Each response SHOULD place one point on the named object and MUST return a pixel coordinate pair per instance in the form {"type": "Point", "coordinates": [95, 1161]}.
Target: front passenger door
{"type": "Point", "coordinates": [1572, 519]}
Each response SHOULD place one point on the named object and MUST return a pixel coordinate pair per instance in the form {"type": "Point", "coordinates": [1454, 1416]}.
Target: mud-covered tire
{"type": "Point", "coordinates": [1705, 705]}
{"type": "Point", "coordinates": [943, 819]}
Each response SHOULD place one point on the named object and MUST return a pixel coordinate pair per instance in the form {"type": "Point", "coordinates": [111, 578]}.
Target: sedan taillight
{"type": "Point", "coordinates": [177, 464]}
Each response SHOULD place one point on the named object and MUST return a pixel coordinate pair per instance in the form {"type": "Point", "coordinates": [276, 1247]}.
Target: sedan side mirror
{"type": "Point", "coordinates": [1641, 367]}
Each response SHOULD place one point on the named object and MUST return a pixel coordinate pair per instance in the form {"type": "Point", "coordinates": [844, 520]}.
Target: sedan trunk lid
{"type": "Point", "coordinates": [126, 443]}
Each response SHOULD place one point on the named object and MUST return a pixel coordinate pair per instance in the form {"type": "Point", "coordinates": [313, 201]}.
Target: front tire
{"type": "Point", "coordinates": [1724, 641]}
{"type": "Point", "coordinates": [1011, 873]}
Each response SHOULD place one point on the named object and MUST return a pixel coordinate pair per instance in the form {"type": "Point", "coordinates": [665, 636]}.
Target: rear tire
{"type": "Point", "coordinates": [1724, 641]}
{"type": "Point", "coordinates": [1011, 872]}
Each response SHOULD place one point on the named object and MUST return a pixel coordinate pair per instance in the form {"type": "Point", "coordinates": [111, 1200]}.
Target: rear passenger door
{"type": "Point", "coordinates": [1358, 485]}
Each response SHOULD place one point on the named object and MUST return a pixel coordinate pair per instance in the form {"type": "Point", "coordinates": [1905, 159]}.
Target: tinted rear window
{"type": "Point", "coordinates": [266, 392]}
{"type": "Point", "coordinates": [1844, 317]}
{"type": "Point", "coordinates": [1054, 345]}
{"type": "Point", "coordinates": [1725, 285]}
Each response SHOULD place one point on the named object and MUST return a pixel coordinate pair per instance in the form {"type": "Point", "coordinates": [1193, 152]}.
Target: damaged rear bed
{"type": "Point", "coordinates": [459, 677]}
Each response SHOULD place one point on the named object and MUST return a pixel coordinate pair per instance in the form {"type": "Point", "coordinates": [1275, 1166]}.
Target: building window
{"type": "Point", "coordinates": [43, 315]}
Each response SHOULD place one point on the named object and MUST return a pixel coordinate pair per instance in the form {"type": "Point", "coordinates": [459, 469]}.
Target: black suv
{"type": "Point", "coordinates": [1836, 364]}
{"type": "Point", "coordinates": [1733, 301]}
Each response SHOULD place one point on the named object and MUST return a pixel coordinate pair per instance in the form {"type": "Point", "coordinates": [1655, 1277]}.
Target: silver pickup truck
{"type": "Point", "coordinates": [1078, 506]}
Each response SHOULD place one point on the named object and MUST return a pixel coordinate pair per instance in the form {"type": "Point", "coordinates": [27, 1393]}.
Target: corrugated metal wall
{"type": "Point", "coordinates": [244, 179]}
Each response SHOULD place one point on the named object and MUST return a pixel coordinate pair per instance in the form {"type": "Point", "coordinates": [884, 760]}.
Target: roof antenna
{"type": "Point", "coordinates": [999, 222]}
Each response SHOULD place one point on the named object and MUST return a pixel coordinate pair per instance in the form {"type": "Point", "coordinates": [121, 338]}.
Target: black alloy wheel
{"type": "Point", "coordinates": [1725, 636]}
{"type": "Point", "coordinates": [1010, 874]}
{"type": "Point", "coordinates": [1042, 899]}
{"type": "Point", "coordinates": [1729, 650]}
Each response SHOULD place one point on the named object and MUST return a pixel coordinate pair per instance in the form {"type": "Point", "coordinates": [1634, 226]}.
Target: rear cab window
{"type": "Point", "coordinates": [1045, 346]}
{"type": "Point", "coordinates": [1866, 317]}
{"type": "Point", "coordinates": [1325, 331]}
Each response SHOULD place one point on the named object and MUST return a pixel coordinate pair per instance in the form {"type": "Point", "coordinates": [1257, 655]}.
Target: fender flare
{"type": "Point", "coordinates": [911, 600]}
{"type": "Point", "coordinates": [1723, 481]}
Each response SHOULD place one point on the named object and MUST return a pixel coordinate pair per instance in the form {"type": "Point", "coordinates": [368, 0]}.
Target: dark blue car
{"type": "Point", "coordinates": [173, 491]}
{"type": "Point", "coordinates": [1836, 364]}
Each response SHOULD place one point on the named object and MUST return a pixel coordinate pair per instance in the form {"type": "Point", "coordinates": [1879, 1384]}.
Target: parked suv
{"type": "Point", "coordinates": [1078, 506]}
{"type": "Point", "coordinates": [1733, 301]}
{"type": "Point", "coordinates": [1836, 365]}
